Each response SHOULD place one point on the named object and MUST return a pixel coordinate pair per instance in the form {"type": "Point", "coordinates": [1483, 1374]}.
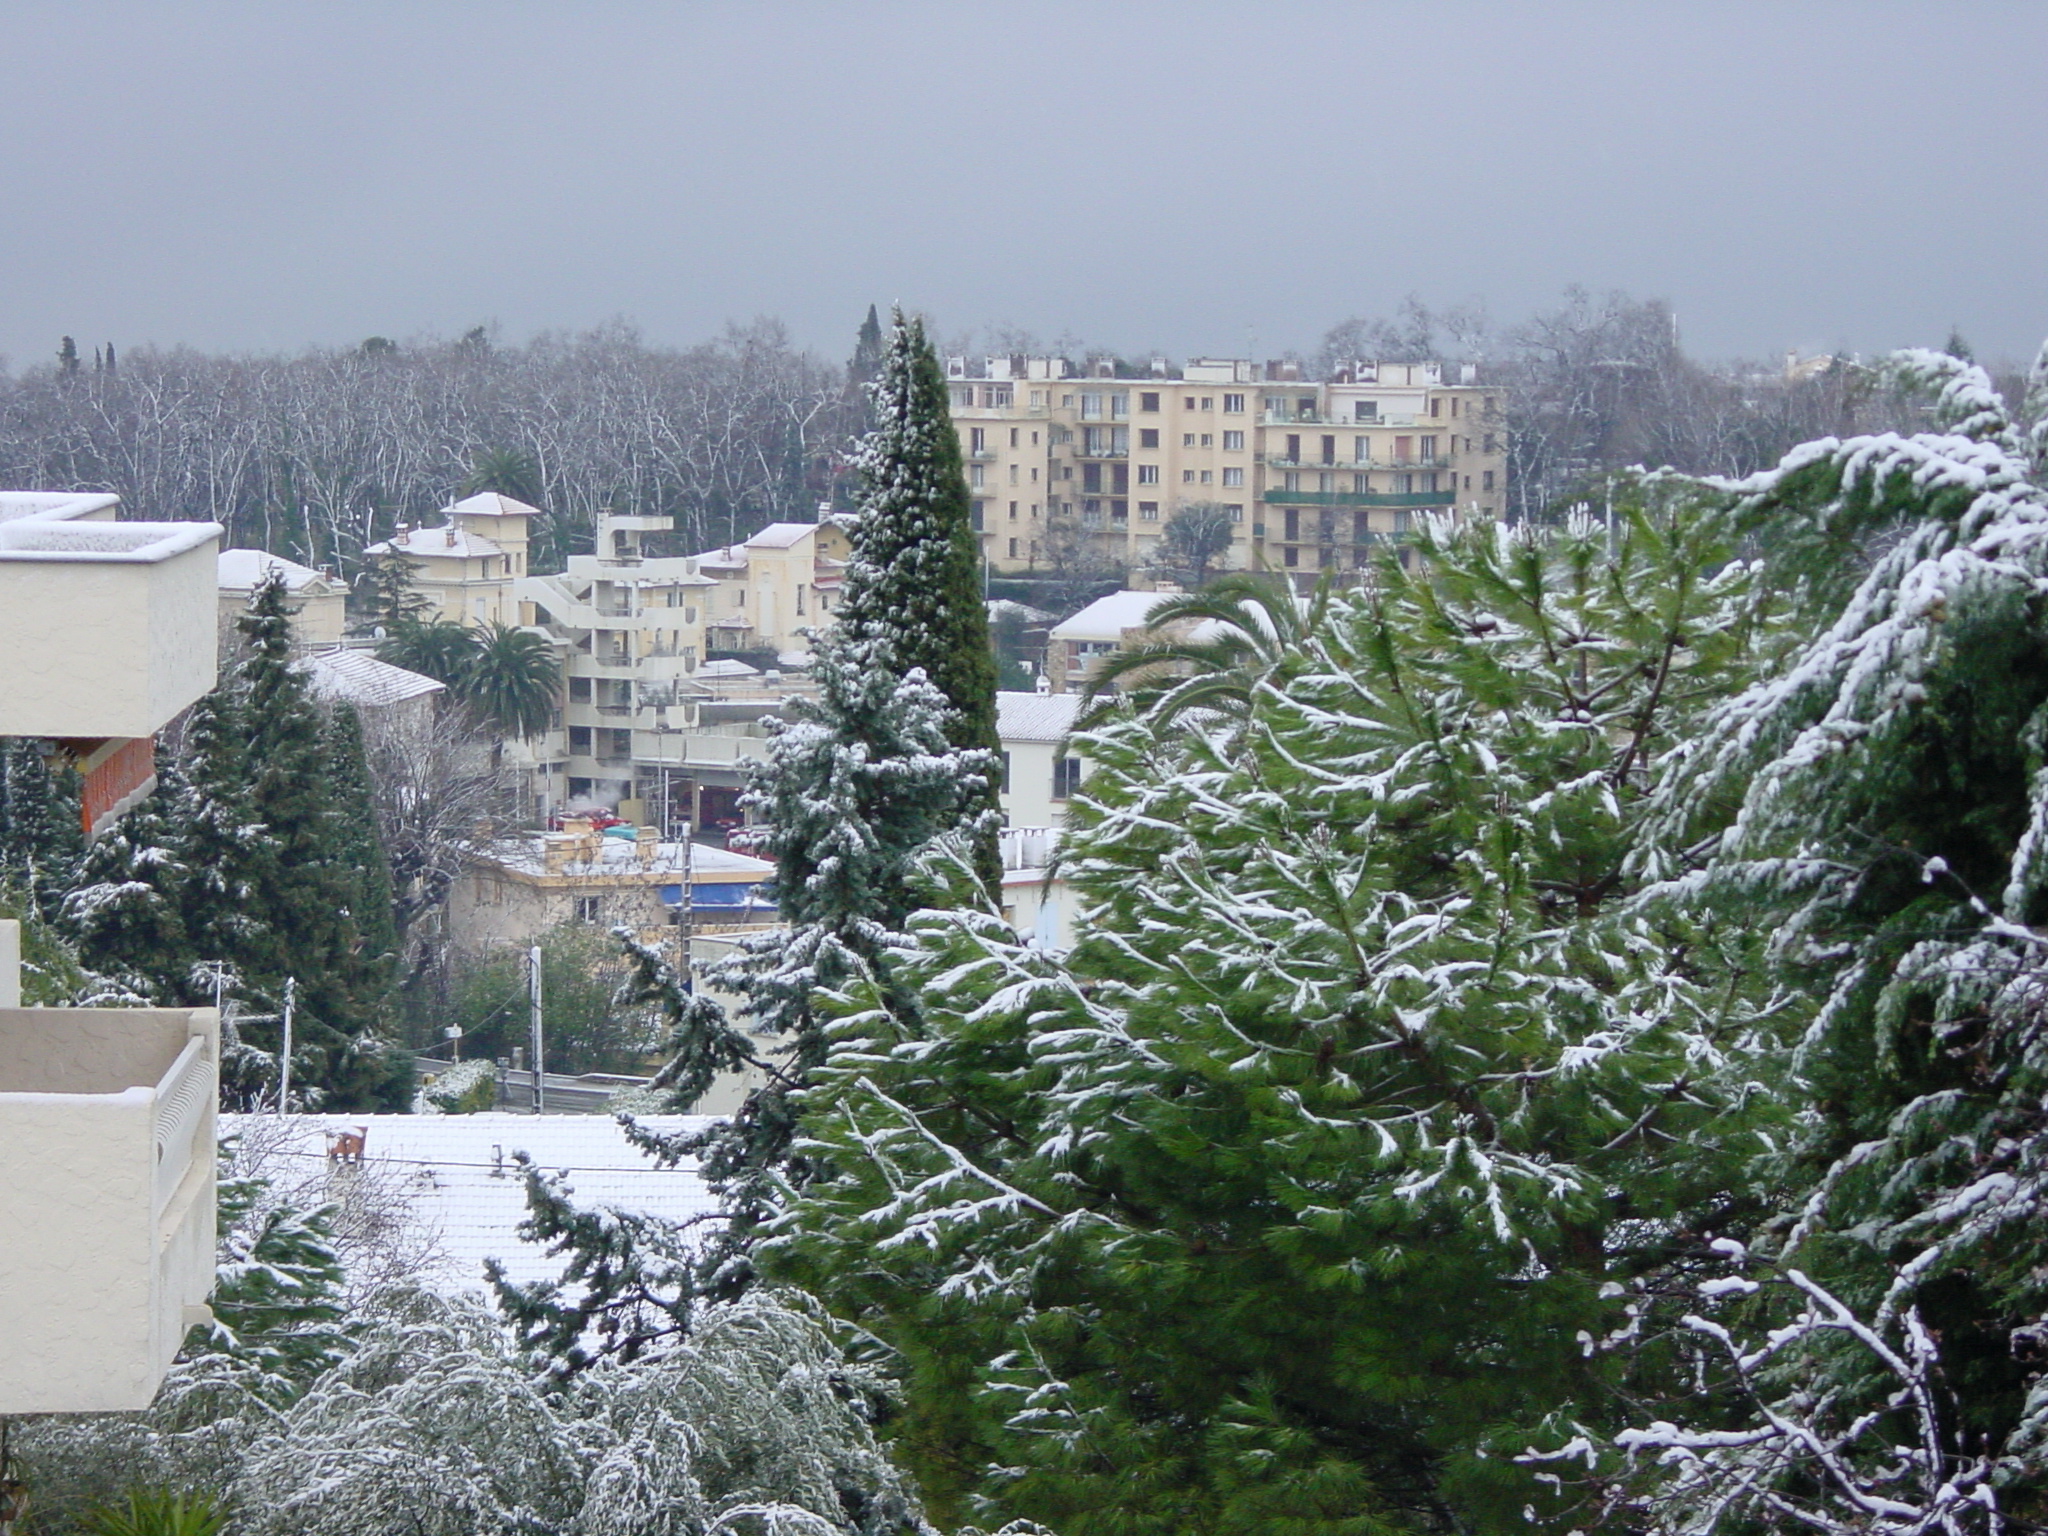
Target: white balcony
{"type": "Point", "coordinates": [106, 1200]}
{"type": "Point", "coordinates": [108, 628]}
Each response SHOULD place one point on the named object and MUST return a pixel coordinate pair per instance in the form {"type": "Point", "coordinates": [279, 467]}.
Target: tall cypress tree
{"type": "Point", "coordinates": [914, 582]}
{"type": "Point", "coordinates": [359, 852]}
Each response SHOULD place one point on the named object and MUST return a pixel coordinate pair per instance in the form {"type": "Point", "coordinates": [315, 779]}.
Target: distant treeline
{"type": "Point", "coordinates": [318, 454]}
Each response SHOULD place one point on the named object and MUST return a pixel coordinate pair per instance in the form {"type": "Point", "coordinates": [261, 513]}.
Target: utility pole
{"type": "Point", "coordinates": [540, 1093]}
{"type": "Point", "coordinates": [284, 1059]}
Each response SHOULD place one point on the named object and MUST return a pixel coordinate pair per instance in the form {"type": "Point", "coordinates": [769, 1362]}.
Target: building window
{"type": "Point", "coordinates": [1013, 549]}
{"type": "Point", "coordinates": [1208, 439]}
{"type": "Point", "coordinates": [1293, 523]}
{"type": "Point", "coordinates": [977, 476]}
{"type": "Point", "coordinates": [1013, 511]}
{"type": "Point", "coordinates": [1013, 437]}
{"type": "Point", "coordinates": [799, 597]}
{"type": "Point", "coordinates": [1361, 448]}
{"type": "Point", "coordinates": [1326, 483]}
{"type": "Point", "coordinates": [1148, 437]}
{"type": "Point", "coordinates": [1233, 405]}
{"type": "Point", "coordinates": [1187, 477]}
{"type": "Point", "coordinates": [980, 515]}
{"type": "Point", "coordinates": [1236, 511]}
{"type": "Point", "coordinates": [1066, 777]}
{"type": "Point", "coordinates": [1362, 484]}
{"type": "Point", "coordinates": [1233, 477]}
{"type": "Point", "coordinates": [1148, 402]}
{"type": "Point", "coordinates": [1290, 556]}
{"type": "Point", "coordinates": [1208, 402]}
{"type": "Point", "coordinates": [1091, 407]}
{"type": "Point", "coordinates": [977, 439]}
{"type": "Point", "coordinates": [1426, 446]}
{"type": "Point", "coordinates": [579, 690]}
{"type": "Point", "coordinates": [1148, 474]}
{"type": "Point", "coordinates": [1120, 511]}
{"type": "Point", "coordinates": [1489, 444]}
{"type": "Point", "coordinates": [1148, 511]}
{"type": "Point", "coordinates": [1429, 485]}
{"type": "Point", "coordinates": [1486, 480]}
{"type": "Point", "coordinates": [1233, 442]}
{"type": "Point", "coordinates": [1014, 468]}
{"type": "Point", "coordinates": [1006, 756]}
{"type": "Point", "coordinates": [1187, 439]}
{"type": "Point", "coordinates": [1365, 410]}
{"type": "Point", "coordinates": [589, 909]}
{"type": "Point", "coordinates": [1119, 407]}
{"type": "Point", "coordinates": [1436, 406]}
{"type": "Point", "coordinates": [1208, 477]}
{"type": "Point", "coordinates": [1187, 402]}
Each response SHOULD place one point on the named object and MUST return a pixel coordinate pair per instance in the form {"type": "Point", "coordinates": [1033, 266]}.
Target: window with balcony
{"type": "Point", "coordinates": [980, 514]}
{"type": "Point", "coordinates": [1426, 446]}
{"type": "Point", "coordinates": [1326, 483]}
{"type": "Point", "coordinates": [1429, 484]}
{"type": "Point", "coordinates": [1091, 407]}
{"type": "Point", "coordinates": [579, 690]}
{"type": "Point", "coordinates": [1361, 448]}
{"type": "Point", "coordinates": [1233, 477]}
{"type": "Point", "coordinates": [1365, 410]}
{"type": "Point", "coordinates": [1233, 442]}
{"type": "Point", "coordinates": [1290, 480]}
{"type": "Point", "coordinates": [1091, 477]}
{"type": "Point", "coordinates": [977, 475]}
{"type": "Point", "coordinates": [1233, 405]}
{"type": "Point", "coordinates": [1119, 407]}
{"type": "Point", "coordinates": [1148, 474]}
{"type": "Point", "coordinates": [977, 440]}
{"type": "Point", "coordinates": [1329, 447]}
{"type": "Point", "coordinates": [1361, 484]}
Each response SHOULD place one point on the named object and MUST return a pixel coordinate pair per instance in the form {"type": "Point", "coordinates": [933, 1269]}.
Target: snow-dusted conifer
{"type": "Point", "coordinates": [126, 909]}
{"type": "Point", "coordinates": [1880, 807]}
{"type": "Point", "coordinates": [1279, 1199]}
{"type": "Point", "coordinates": [914, 579]}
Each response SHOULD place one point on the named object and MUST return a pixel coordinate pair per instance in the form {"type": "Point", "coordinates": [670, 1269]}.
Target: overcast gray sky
{"type": "Point", "coordinates": [1193, 177]}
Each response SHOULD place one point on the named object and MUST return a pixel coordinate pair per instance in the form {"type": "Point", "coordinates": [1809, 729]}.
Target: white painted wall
{"type": "Point", "coordinates": [107, 1207]}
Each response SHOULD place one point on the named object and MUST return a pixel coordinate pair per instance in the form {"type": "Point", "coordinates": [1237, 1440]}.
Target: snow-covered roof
{"type": "Point", "coordinates": [457, 1189]}
{"type": "Point", "coordinates": [492, 504]}
{"type": "Point", "coordinates": [781, 535]}
{"type": "Point", "coordinates": [244, 570]}
{"type": "Point", "coordinates": [795, 660]}
{"type": "Point", "coordinates": [54, 506]}
{"type": "Point", "coordinates": [726, 667]}
{"type": "Point", "coordinates": [361, 678]}
{"type": "Point", "coordinates": [445, 543]}
{"type": "Point", "coordinates": [1108, 617]}
{"type": "Point", "coordinates": [1004, 607]}
{"type": "Point", "coordinates": [1036, 716]}
{"type": "Point", "coordinates": [618, 856]}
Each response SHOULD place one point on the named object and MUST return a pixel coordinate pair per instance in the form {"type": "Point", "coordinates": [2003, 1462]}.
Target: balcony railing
{"type": "Point", "coordinates": [107, 1136]}
{"type": "Point", "coordinates": [1361, 499]}
{"type": "Point", "coordinates": [615, 709]}
{"type": "Point", "coordinates": [613, 659]}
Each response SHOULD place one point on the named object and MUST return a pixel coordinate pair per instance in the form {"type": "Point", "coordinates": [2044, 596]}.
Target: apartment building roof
{"type": "Point", "coordinates": [492, 504]}
{"type": "Point", "coordinates": [1108, 617]}
{"type": "Point", "coordinates": [360, 678]}
{"type": "Point", "coordinates": [781, 535]}
{"type": "Point", "coordinates": [452, 1183]}
{"type": "Point", "coordinates": [244, 570]}
{"type": "Point", "coordinates": [1036, 716]}
{"type": "Point", "coordinates": [449, 542]}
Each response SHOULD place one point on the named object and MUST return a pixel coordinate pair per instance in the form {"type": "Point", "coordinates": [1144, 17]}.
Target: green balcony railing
{"type": "Point", "coordinates": [1360, 499]}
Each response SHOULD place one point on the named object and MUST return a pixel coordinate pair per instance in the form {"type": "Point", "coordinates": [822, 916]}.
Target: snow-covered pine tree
{"type": "Point", "coordinates": [41, 840]}
{"type": "Point", "coordinates": [126, 908]}
{"type": "Point", "coordinates": [914, 578]}
{"type": "Point", "coordinates": [1880, 807]}
{"type": "Point", "coordinates": [860, 788]}
{"type": "Point", "coordinates": [1281, 1201]}
{"type": "Point", "coordinates": [358, 847]}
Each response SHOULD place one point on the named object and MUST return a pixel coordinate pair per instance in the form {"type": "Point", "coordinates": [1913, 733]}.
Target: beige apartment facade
{"type": "Point", "coordinates": [466, 568]}
{"type": "Point", "coordinates": [1313, 473]}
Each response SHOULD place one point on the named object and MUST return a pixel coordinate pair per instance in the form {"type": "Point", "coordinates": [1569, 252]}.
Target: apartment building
{"type": "Point", "coordinates": [631, 629]}
{"type": "Point", "coordinates": [1313, 473]}
{"type": "Point", "coordinates": [466, 568]}
{"type": "Point", "coordinates": [782, 581]}
{"type": "Point", "coordinates": [106, 1114]}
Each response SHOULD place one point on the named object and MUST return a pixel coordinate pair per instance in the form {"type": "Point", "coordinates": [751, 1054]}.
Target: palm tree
{"type": "Point", "coordinates": [513, 680]}
{"type": "Point", "coordinates": [1221, 644]}
{"type": "Point", "coordinates": [436, 648]}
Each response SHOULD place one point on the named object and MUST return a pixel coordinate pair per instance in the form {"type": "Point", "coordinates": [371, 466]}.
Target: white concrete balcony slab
{"type": "Point", "coordinates": [108, 627]}
{"type": "Point", "coordinates": [106, 1200]}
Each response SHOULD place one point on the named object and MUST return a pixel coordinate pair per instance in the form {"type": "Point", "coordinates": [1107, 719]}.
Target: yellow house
{"type": "Point", "coordinates": [782, 581]}
{"type": "Point", "coordinates": [466, 567]}
{"type": "Point", "coordinates": [317, 600]}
